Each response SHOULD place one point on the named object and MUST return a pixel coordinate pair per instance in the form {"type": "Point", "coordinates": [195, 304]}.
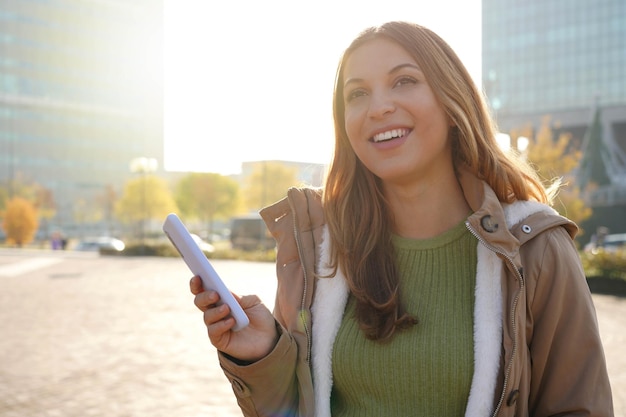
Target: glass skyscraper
{"type": "Point", "coordinates": [563, 61]}
{"type": "Point", "coordinates": [546, 55]}
{"type": "Point", "coordinates": [81, 95]}
{"type": "Point", "coordinates": [557, 58]}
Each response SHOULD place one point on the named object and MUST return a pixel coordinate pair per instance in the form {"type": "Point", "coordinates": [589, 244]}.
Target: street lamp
{"type": "Point", "coordinates": [143, 166]}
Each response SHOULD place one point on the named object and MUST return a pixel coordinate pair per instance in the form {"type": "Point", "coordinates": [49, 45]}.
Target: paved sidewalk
{"type": "Point", "coordinates": [90, 336]}
{"type": "Point", "coordinates": [83, 335]}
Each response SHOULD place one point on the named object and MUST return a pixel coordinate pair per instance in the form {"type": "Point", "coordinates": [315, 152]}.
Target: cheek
{"type": "Point", "coordinates": [352, 124]}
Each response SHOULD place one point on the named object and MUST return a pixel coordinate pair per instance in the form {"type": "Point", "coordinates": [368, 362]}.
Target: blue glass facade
{"type": "Point", "coordinates": [544, 55]}
{"type": "Point", "coordinates": [81, 95]}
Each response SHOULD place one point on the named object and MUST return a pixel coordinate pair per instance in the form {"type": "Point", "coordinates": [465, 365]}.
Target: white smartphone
{"type": "Point", "coordinates": [199, 265]}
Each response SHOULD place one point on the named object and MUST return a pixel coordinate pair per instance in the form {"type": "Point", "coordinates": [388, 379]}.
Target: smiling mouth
{"type": "Point", "coordinates": [389, 135]}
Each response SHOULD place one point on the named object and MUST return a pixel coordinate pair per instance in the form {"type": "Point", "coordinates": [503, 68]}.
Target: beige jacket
{"type": "Point", "coordinates": [536, 343]}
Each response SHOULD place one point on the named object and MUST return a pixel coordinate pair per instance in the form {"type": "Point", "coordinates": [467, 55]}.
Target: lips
{"type": "Point", "coordinates": [389, 135]}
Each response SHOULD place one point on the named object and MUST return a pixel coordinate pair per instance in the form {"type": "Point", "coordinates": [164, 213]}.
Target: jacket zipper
{"type": "Point", "coordinates": [513, 308]}
{"type": "Point", "coordinates": [302, 317]}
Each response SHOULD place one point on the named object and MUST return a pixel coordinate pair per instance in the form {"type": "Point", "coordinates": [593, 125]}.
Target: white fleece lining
{"type": "Point", "coordinates": [331, 295]}
{"type": "Point", "coordinates": [488, 315]}
{"type": "Point", "coordinates": [329, 302]}
{"type": "Point", "coordinates": [487, 332]}
{"type": "Point", "coordinates": [518, 211]}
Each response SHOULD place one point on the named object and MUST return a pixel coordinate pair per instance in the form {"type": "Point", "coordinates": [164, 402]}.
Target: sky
{"type": "Point", "coordinates": [252, 80]}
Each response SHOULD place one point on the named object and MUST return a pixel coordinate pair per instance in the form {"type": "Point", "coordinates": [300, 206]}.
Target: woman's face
{"type": "Point", "coordinates": [395, 125]}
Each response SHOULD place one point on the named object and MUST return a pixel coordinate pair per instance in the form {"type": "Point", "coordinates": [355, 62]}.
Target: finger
{"type": "Point", "coordinates": [216, 314]}
{"type": "Point", "coordinates": [248, 301]}
{"type": "Point", "coordinates": [218, 332]}
{"type": "Point", "coordinates": [206, 300]}
{"type": "Point", "coordinates": [195, 285]}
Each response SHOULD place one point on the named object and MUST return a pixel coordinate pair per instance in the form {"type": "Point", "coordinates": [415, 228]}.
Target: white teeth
{"type": "Point", "coordinates": [395, 133]}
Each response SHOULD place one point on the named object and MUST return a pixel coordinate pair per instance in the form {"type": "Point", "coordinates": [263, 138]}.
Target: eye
{"type": "Point", "coordinates": [405, 80]}
{"type": "Point", "coordinates": [354, 94]}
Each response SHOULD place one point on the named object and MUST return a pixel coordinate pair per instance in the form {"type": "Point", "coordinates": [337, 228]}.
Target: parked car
{"type": "Point", "coordinates": [250, 233]}
{"type": "Point", "coordinates": [100, 243]}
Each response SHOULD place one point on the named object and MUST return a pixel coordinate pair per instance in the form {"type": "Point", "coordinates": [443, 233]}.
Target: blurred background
{"type": "Point", "coordinates": [114, 113]}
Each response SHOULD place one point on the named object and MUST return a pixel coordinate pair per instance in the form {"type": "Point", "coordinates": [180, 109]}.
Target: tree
{"type": "Point", "coordinates": [268, 183]}
{"type": "Point", "coordinates": [556, 158]}
{"type": "Point", "coordinates": [40, 197]}
{"type": "Point", "coordinates": [145, 198]}
{"type": "Point", "coordinates": [207, 196]}
{"type": "Point", "coordinates": [20, 221]}
{"type": "Point", "coordinates": [96, 207]}
{"type": "Point", "coordinates": [45, 205]}
{"type": "Point", "coordinates": [106, 202]}
{"type": "Point", "coordinates": [85, 210]}
{"type": "Point", "coordinates": [4, 197]}
{"type": "Point", "coordinates": [19, 185]}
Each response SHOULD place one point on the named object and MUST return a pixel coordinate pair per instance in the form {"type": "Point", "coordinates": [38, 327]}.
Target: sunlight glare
{"type": "Point", "coordinates": [258, 85]}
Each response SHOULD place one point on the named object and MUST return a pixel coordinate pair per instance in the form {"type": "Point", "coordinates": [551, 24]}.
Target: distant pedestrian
{"type": "Point", "coordinates": [56, 241]}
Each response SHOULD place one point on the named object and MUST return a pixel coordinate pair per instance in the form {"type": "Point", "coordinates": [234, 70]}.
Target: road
{"type": "Point", "coordinates": [84, 335]}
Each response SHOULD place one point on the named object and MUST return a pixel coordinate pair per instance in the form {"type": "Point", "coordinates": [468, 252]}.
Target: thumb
{"type": "Point", "coordinates": [248, 301]}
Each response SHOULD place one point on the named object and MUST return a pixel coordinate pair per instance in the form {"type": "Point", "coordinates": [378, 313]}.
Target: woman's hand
{"type": "Point", "coordinates": [249, 344]}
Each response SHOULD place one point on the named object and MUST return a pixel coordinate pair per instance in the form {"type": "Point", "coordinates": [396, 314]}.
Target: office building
{"type": "Point", "coordinates": [81, 96]}
{"type": "Point", "coordinates": [565, 59]}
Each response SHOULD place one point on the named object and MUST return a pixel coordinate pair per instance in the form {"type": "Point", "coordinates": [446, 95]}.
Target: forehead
{"type": "Point", "coordinates": [378, 55]}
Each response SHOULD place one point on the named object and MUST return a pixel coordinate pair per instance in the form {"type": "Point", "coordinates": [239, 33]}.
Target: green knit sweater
{"type": "Point", "coordinates": [426, 370]}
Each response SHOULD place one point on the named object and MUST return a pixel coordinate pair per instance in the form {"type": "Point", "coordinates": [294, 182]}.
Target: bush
{"type": "Point", "coordinates": [608, 264]}
{"type": "Point", "coordinates": [138, 249]}
{"type": "Point", "coordinates": [167, 250]}
{"type": "Point", "coordinates": [20, 221]}
{"type": "Point", "coordinates": [241, 255]}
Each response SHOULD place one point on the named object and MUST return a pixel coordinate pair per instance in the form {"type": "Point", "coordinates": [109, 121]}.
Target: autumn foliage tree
{"type": "Point", "coordinates": [20, 221]}
{"type": "Point", "coordinates": [43, 201]}
{"type": "Point", "coordinates": [207, 196]}
{"type": "Point", "coordinates": [555, 158]}
{"type": "Point", "coordinates": [41, 198]}
{"type": "Point", "coordinates": [268, 183]}
{"type": "Point", "coordinates": [145, 198]}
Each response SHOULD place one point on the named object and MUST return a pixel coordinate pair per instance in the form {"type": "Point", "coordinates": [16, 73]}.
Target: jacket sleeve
{"type": "Point", "coordinates": [281, 384]}
{"type": "Point", "coordinates": [568, 367]}
{"type": "Point", "coordinates": [267, 387]}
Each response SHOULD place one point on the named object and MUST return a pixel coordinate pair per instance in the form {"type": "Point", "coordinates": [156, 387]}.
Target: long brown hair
{"type": "Point", "coordinates": [355, 207]}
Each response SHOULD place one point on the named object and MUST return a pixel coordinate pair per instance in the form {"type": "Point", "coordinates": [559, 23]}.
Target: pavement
{"type": "Point", "coordinates": [84, 335]}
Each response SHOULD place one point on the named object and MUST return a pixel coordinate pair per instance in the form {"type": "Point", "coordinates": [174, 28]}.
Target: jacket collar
{"type": "Point", "coordinates": [505, 227]}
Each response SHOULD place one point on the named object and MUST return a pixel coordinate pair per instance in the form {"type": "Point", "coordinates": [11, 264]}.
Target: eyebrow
{"type": "Point", "coordinates": [391, 71]}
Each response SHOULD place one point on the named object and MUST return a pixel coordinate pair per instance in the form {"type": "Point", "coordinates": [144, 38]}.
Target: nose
{"type": "Point", "coordinates": [381, 105]}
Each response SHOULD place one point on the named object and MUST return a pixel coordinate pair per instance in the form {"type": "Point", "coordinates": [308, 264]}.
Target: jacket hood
{"type": "Point", "coordinates": [505, 227]}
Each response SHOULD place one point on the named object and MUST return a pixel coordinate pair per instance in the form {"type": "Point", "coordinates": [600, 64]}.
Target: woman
{"type": "Point", "coordinates": [429, 277]}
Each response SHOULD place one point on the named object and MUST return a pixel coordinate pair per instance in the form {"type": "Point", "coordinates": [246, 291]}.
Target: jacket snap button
{"type": "Point", "coordinates": [526, 229]}
{"type": "Point", "coordinates": [512, 397]}
{"type": "Point", "coordinates": [488, 224]}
